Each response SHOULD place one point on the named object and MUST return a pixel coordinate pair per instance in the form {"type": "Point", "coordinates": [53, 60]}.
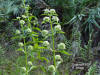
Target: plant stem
{"type": "Point", "coordinates": [25, 50]}
{"type": "Point", "coordinates": [53, 42]}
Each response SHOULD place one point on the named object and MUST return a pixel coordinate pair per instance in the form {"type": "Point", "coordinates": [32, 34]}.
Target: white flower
{"type": "Point", "coordinates": [18, 18]}
{"type": "Point", "coordinates": [28, 30]}
{"type": "Point", "coordinates": [30, 47]}
{"type": "Point", "coordinates": [51, 68]}
{"type": "Point", "coordinates": [44, 32]}
{"type": "Point", "coordinates": [22, 22]}
{"type": "Point", "coordinates": [20, 44]}
{"type": "Point", "coordinates": [46, 43]}
{"type": "Point", "coordinates": [58, 28]}
{"type": "Point", "coordinates": [46, 11]}
{"type": "Point", "coordinates": [23, 68]}
{"type": "Point", "coordinates": [29, 63]}
{"type": "Point", "coordinates": [55, 18]}
{"type": "Point", "coordinates": [23, 16]}
{"type": "Point", "coordinates": [58, 57]}
{"type": "Point", "coordinates": [46, 19]}
{"type": "Point", "coordinates": [61, 46]}
{"type": "Point", "coordinates": [18, 32]}
{"type": "Point", "coordinates": [52, 11]}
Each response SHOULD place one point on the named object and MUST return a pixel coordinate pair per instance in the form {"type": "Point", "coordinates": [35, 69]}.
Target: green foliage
{"type": "Point", "coordinates": [92, 69]}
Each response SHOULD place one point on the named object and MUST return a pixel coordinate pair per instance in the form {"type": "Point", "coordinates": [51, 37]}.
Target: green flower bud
{"type": "Point", "coordinates": [52, 11]}
{"type": "Point", "coordinates": [44, 32]}
{"type": "Point", "coordinates": [46, 11]}
{"type": "Point", "coordinates": [18, 32]}
{"type": "Point", "coordinates": [46, 19]}
{"type": "Point", "coordinates": [23, 68]}
{"type": "Point", "coordinates": [29, 63]}
{"type": "Point", "coordinates": [58, 28]}
{"type": "Point", "coordinates": [58, 57]}
{"type": "Point", "coordinates": [46, 43]}
{"type": "Point", "coordinates": [22, 22]}
{"type": "Point", "coordinates": [51, 68]}
{"type": "Point", "coordinates": [28, 30]}
{"type": "Point", "coordinates": [55, 18]}
{"type": "Point", "coordinates": [30, 47]}
{"type": "Point", "coordinates": [18, 18]}
{"type": "Point", "coordinates": [61, 46]}
{"type": "Point", "coordinates": [23, 16]}
{"type": "Point", "coordinates": [20, 44]}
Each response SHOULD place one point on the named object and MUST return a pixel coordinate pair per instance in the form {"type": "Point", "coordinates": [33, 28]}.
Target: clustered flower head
{"type": "Point", "coordinates": [23, 16]}
{"type": "Point", "coordinates": [18, 32]}
{"type": "Point", "coordinates": [58, 57]}
{"type": "Point", "coordinates": [20, 44]}
{"type": "Point", "coordinates": [23, 68]}
{"type": "Point", "coordinates": [61, 46]}
{"type": "Point", "coordinates": [55, 18]}
{"type": "Point", "coordinates": [52, 11]}
{"type": "Point", "coordinates": [58, 28]}
{"type": "Point", "coordinates": [46, 43]}
{"type": "Point", "coordinates": [51, 68]}
{"type": "Point", "coordinates": [29, 63]}
{"type": "Point", "coordinates": [28, 30]}
{"type": "Point", "coordinates": [46, 19]}
{"type": "Point", "coordinates": [30, 47]}
{"type": "Point", "coordinates": [49, 11]}
{"type": "Point", "coordinates": [18, 18]}
{"type": "Point", "coordinates": [22, 22]}
{"type": "Point", "coordinates": [46, 11]}
{"type": "Point", "coordinates": [44, 32]}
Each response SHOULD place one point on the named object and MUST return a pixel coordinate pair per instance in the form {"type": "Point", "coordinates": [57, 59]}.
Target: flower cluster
{"type": "Point", "coordinates": [18, 32]}
{"type": "Point", "coordinates": [30, 47]}
{"type": "Point", "coordinates": [58, 28]}
{"type": "Point", "coordinates": [28, 30]}
{"type": "Point", "coordinates": [22, 22]}
{"type": "Point", "coordinates": [61, 46]}
{"type": "Point", "coordinates": [58, 58]}
{"type": "Point", "coordinates": [44, 33]}
{"type": "Point", "coordinates": [20, 44]}
{"type": "Point", "coordinates": [55, 19]}
{"type": "Point", "coordinates": [51, 68]}
{"type": "Point", "coordinates": [49, 11]}
{"type": "Point", "coordinates": [46, 43]}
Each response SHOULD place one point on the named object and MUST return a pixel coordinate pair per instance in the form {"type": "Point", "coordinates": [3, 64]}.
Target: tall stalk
{"type": "Point", "coordinates": [25, 50]}
{"type": "Point", "coordinates": [53, 42]}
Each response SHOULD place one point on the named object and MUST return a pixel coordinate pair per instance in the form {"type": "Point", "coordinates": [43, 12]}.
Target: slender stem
{"type": "Point", "coordinates": [25, 50]}
{"type": "Point", "coordinates": [26, 57]}
{"type": "Point", "coordinates": [53, 42]}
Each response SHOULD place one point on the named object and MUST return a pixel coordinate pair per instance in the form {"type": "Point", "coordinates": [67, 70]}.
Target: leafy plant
{"type": "Point", "coordinates": [92, 69]}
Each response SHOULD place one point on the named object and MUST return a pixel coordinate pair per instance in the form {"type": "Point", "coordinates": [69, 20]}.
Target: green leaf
{"type": "Point", "coordinates": [64, 52]}
{"type": "Point", "coordinates": [32, 68]}
{"type": "Point", "coordinates": [43, 58]}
